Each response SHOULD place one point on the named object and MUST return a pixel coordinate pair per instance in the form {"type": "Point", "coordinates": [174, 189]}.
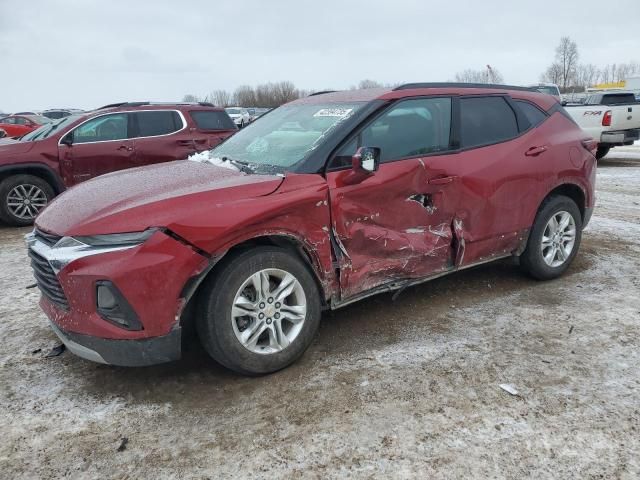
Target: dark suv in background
{"type": "Point", "coordinates": [41, 164]}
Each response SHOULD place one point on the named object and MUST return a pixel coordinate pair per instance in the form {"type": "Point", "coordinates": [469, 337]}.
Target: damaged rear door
{"type": "Point", "coordinates": [397, 223]}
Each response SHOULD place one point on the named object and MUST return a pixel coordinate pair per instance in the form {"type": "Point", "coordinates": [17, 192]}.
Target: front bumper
{"type": "Point", "coordinates": [150, 278]}
{"type": "Point", "coordinates": [125, 353]}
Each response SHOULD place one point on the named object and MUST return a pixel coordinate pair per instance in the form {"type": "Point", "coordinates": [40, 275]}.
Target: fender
{"type": "Point", "coordinates": [44, 171]}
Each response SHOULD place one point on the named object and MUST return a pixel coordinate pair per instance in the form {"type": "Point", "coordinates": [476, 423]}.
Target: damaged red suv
{"type": "Point", "coordinates": [322, 202]}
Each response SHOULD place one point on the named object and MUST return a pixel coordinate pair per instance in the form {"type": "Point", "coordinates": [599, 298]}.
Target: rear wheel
{"type": "Point", "coordinates": [260, 312]}
{"type": "Point", "coordinates": [22, 197]}
{"type": "Point", "coordinates": [554, 239]}
{"type": "Point", "coordinates": [602, 151]}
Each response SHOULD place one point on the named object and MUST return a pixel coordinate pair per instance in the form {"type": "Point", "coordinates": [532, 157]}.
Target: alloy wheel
{"type": "Point", "coordinates": [25, 201]}
{"type": "Point", "coordinates": [558, 239]}
{"type": "Point", "coordinates": [268, 311]}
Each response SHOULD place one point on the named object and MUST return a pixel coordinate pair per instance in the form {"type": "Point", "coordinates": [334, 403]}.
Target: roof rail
{"type": "Point", "coordinates": [321, 93]}
{"type": "Point", "coordinates": [139, 104]}
{"type": "Point", "coordinates": [408, 86]}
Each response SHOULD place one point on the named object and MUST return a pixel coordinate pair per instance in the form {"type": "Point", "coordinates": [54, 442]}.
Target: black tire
{"type": "Point", "coordinates": [8, 185]}
{"type": "Point", "coordinates": [215, 324]}
{"type": "Point", "coordinates": [532, 260]}
{"type": "Point", "coordinates": [601, 152]}
{"type": "Point", "coordinates": [242, 124]}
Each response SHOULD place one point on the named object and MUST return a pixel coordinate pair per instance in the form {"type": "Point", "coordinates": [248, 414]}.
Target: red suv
{"type": "Point", "coordinates": [41, 164]}
{"type": "Point", "coordinates": [320, 203]}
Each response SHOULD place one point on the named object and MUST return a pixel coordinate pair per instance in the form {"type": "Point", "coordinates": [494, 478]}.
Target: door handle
{"type": "Point", "coordinates": [535, 151]}
{"type": "Point", "coordinates": [125, 147]}
{"type": "Point", "coordinates": [186, 143]}
{"type": "Point", "coordinates": [442, 180]}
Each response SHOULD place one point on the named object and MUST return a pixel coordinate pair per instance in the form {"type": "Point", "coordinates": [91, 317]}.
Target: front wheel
{"type": "Point", "coordinates": [260, 312]}
{"type": "Point", "coordinates": [554, 239]}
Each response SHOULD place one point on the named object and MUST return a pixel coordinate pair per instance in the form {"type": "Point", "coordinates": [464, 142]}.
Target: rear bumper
{"type": "Point", "coordinates": [125, 353]}
{"type": "Point", "coordinates": [620, 138]}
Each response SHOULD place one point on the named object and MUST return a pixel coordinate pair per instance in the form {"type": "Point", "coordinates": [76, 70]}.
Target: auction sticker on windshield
{"type": "Point", "coordinates": [333, 112]}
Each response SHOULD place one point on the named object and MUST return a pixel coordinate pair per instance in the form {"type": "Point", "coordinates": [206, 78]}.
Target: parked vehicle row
{"type": "Point", "coordinates": [43, 162]}
{"type": "Point", "coordinates": [325, 201]}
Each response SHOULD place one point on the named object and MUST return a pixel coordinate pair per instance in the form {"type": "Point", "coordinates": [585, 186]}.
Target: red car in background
{"type": "Point", "coordinates": [18, 125]}
{"type": "Point", "coordinates": [44, 162]}
{"type": "Point", "coordinates": [324, 201]}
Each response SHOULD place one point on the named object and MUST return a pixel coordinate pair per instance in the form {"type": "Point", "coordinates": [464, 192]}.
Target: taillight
{"type": "Point", "coordinates": [591, 145]}
{"type": "Point", "coordinates": [606, 120]}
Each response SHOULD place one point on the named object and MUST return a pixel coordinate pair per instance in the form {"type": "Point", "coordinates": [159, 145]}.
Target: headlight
{"type": "Point", "coordinates": [115, 239]}
{"type": "Point", "coordinates": [68, 249]}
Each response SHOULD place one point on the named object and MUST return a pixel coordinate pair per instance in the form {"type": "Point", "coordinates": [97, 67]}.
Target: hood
{"type": "Point", "coordinates": [9, 146]}
{"type": "Point", "coordinates": [152, 196]}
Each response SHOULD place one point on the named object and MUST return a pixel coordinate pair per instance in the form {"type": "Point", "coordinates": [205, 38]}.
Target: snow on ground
{"type": "Point", "coordinates": [406, 389]}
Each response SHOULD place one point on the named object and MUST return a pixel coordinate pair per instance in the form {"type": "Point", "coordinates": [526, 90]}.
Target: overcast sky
{"type": "Point", "coordinates": [85, 53]}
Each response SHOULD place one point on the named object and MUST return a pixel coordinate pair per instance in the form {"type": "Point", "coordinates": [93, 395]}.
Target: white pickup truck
{"type": "Point", "coordinates": [611, 118]}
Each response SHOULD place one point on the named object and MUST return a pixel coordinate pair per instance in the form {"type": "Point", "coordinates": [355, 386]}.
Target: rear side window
{"type": "Point", "coordinates": [533, 113]}
{"type": "Point", "coordinates": [154, 123]}
{"type": "Point", "coordinates": [486, 120]}
{"type": "Point", "coordinates": [212, 120]}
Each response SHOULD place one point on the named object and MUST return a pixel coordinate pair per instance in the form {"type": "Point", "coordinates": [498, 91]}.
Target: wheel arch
{"type": "Point", "coordinates": [193, 287]}
{"type": "Point", "coordinates": [572, 190]}
{"type": "Point", "coordinates": [39, 170]}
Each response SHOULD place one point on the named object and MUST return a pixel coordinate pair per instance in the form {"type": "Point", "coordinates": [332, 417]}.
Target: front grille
{"type": "Point", "coordinates": [47, 238]}
{"type": "Point", "coordinates": [47, 280]}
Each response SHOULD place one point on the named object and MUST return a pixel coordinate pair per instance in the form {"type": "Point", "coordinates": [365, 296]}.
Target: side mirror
{"type": "Point", "coordinates": [363, 164]}
{"type": "Point", "coordinates": [366, 160]}
{"type": "Point", "coordinates": [67, 139]}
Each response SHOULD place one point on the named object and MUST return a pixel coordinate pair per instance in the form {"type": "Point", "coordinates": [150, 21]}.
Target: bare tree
{"type": "Point", "coordinates": [487, 75]}
{"type": "Point", "coordinates": [221, 98]}
{"type": "Point", "coordinates": [366, 83]}
{"type": "Point", "coordinates": [189, 97]}
{"type": "Point", "coordinates": [245, 96]}
{"type": "Point", "coordinates": [553, 74]}
{"type": "Point", "coordinates": [567, 58]}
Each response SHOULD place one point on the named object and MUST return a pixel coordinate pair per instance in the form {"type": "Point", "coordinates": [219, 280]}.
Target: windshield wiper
{"type": "Point", "coordinates": [242, 166]}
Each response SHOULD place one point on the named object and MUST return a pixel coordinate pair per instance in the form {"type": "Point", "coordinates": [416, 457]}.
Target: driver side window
{"type": "Point", "coordinates": [102, 129]}
{"type": "Point", "coordinates": [411, 128]}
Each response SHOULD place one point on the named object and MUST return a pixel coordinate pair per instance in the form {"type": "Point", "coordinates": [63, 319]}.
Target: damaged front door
{"type": "Point", "coordinates": [396, 223]}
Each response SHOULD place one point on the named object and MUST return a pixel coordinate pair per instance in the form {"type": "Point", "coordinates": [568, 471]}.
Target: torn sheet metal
{"type": "Point", "coordinates": [389, 227]}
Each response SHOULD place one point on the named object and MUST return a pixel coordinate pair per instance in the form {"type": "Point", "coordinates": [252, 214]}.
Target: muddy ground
{"type": "Point", "coordinates": [388, 389]}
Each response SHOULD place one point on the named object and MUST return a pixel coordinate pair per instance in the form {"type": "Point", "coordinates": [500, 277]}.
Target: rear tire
{"type": "Point", "coordinates": [260, 312]}
{"type": "Point", "coordinates": [554, 239]}
{"type": "Point", "coordinates": [22, 197]}
{"type": "Point", "coordinates": [601, 152]}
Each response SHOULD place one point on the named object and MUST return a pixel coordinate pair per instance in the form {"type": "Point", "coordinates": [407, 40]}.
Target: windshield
{"type": "Point", "coordinates": [285, 136]}
{"type": "Point", "coordinates": [233, 111]}
{"type": "Point", "coordinates": [49, 129]}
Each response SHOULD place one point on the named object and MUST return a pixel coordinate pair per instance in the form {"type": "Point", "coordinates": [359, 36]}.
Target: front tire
{"type": "Point", "coordinates": [22, 197]}
{"type": "Point", "coordinates": [260, 312]}
{"type": "Point", "coordinates": [554, 239]}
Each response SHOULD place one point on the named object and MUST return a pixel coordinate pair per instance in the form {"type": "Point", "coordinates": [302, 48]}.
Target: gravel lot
{"type": "Point", "coordinates": [405, 389]}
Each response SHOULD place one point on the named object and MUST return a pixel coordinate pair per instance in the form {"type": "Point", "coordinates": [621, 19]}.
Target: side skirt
{"type": "Point", "coordinates": [401, 284]}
